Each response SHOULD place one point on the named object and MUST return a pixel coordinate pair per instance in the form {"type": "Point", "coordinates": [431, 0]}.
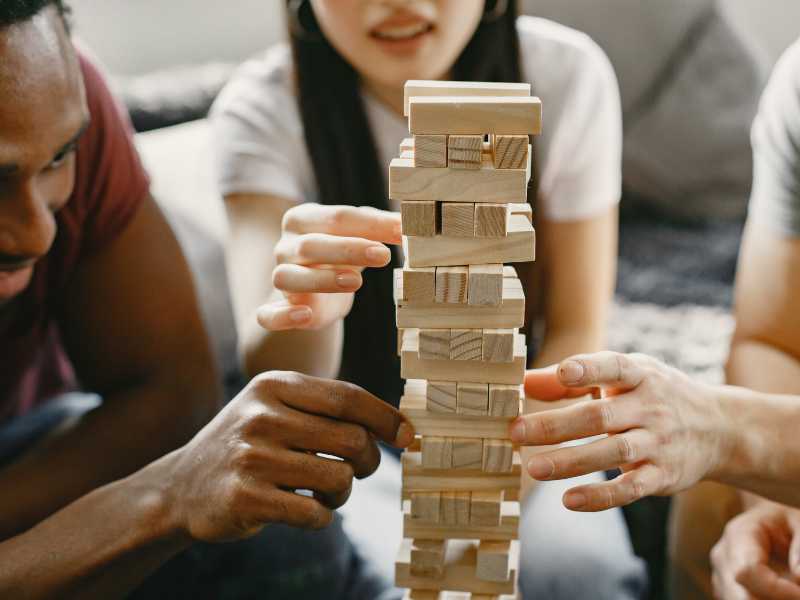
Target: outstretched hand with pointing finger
{"type": "Point", "coordinates": [664, 431]}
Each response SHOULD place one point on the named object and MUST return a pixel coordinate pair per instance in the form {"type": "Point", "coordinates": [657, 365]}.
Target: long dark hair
{"type": "Point", "coordinates": [347, 168]}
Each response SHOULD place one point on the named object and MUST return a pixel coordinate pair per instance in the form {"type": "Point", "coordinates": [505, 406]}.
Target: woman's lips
{"type": "Point", "coordinates": [14, 282]}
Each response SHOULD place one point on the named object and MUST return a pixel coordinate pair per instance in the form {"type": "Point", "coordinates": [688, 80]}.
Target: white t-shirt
{"type": "Point", "coordinates": [260, 148]}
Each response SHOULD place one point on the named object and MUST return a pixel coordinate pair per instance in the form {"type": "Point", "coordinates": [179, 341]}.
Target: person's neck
{"type": "Point", "coordinates": [389, 96]}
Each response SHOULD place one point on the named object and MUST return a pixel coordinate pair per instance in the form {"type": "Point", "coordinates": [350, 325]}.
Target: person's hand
{"type": "Point", "coordinates": [758, 555]}
{"type": "Point", "coordinates": [319, 259]}
{"type": "Point", "coordinates": [665, 431]}
{"type": "Point", "coordinates": [243, 469]}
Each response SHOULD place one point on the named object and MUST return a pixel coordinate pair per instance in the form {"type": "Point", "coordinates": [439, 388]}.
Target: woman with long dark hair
{"type": "Point", "coordinates": [304, 135]}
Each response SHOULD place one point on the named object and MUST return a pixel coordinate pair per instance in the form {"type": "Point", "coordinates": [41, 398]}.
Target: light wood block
{"type": "Point", "coordinates": [458, 219]}
{"type": "Point", "coordinates": [473, 371]}
{"type": "Point", "coordinates": [467, 453]}
{"type": "Point", "coordinates": [465, 151]}
{"type": "Point", "coordinates": [451, 285]}
{"type": "Point", "coordinates": [421, 87]}
{"type": "Point", "coordinates": [498, 345]}
{"type": "Point", "coordinates": [427, 558]}
{"type": "Point", "coordinates": [459, 572]}
{"type": "Point", "coordinates": [487, 184]}
{"type": "Point", "coordinates": [418, 218]}
{"type": "Point", "coordinates": [462, 500]}
{"type": "Point", "coordinates": [509, 314]}
{"type": "Point", "coordinates": [418, 479]}
{"type": "Point", "coordinates": [434, 344]}
{"type": "Point", "coordinates": [498, 456]}
{"type": "Point", "coordinates": [426, 506]}
{"type": "Point", "coordinates": [441, 397]}
{"type": "Point", "coordinates": [459, 115]}
{"type": "Point", "coordinates": [510, 151]}
{"type": "Point", "coordinates": [436, 595]}
{"type": "Point", "coordinates": [485, 285]}
{"type": "Point", "coordinates": [430, 151]}
{"type": "Point", "coordinates": [486, 509]}
{"type": "Point", "coordinates": [518, 246]}
{"type": "Point", "coordinates": [504, 400]}
{"type": "Point", "coordinates": [466, 344]}
{"type": "Point", "coordinates": [437, 452]}
{"type": "Point", "coordinates": [491, 220]}
{"type": "Point", "coordinates": [473, 399]}
{"type": "Point", "coordinates": [448, 515]}
{"type": "Point", "coordinates": [419, 285]}
{"type": "Point", "coordinates": [523, 209]}
{"type": "Point", "coordinates": [494, 561]}
{"type": "Point", "coordinates": [429, 422]}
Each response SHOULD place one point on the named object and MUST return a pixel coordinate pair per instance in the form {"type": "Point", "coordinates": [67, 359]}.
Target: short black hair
{"type": "Point", "coordinates": [19, 11]}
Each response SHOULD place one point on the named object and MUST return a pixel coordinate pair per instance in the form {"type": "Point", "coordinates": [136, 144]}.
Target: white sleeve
{"type": "Point", "coordinates": [581, 153]}
{"type": "Point", "coordinates": [258, 140]}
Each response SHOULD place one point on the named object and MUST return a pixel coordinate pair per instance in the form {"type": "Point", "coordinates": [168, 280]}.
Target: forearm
{"type": "Point", "coordinates": [100, 546]}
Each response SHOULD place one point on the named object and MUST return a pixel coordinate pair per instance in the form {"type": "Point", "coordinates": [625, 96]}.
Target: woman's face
{"type": "Point", "coordinates": [391, 41]}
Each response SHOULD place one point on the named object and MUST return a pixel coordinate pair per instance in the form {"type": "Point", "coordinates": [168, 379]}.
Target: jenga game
{"type": "Point", "coordinates": [462, 180]}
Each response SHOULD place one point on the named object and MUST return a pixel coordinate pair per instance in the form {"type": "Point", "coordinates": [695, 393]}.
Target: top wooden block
{"type": "Point", "coordinates": [460, 115]}
{"type": "Point", "coordinates": [461, 88]}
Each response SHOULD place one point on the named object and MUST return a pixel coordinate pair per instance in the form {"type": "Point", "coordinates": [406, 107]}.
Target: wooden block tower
{"type": "Point", "coordinates": [462, 180]}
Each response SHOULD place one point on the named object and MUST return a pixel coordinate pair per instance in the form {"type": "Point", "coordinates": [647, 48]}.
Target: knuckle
{"type": "Point", "coordinates": [316, 516]}
{"type": "Point", "coordinates": [341, 396]}
{"type": "Point", "coordinates": [280, 277]}
{"type": "Point", "coordinates": [356, 442]}
{"type": "Point", "coordinates": [343, 477]}
{"type": "Point", "coordinates": [625, 451]}
{"type": "Point", "coordinates": [304, 246]}
{"type": "Point", "coordinates": [546, 426]}
{"type": "Point", "coordinates": [600, 415]}
{"type": "Point", "coordinates": [339, 216]}
{"type": "Point", "coordinates": [293, 218]}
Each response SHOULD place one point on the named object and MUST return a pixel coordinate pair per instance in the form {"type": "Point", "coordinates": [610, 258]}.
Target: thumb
{"type": "Point", "coordinates": [545, 384]}
{"type": "Point", "coordinates": [794, 547]}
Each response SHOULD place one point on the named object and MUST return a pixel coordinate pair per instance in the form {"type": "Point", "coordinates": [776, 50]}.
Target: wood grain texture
{"type": "Point", "coordinates": [466, 344]}
{"type": "Point", "coordinates": [436, 595]}
{"type": "Point", "coordinates": [491, 220]}
{"type": "Point", "coordinates": [419, 285]}
{"type": "Point", "coordinates": [430, 151]}
{"type": "Point", "coordinates": [465, 151]}
{"type": "Point", "coordinates": [427, 558]}
{"type": "Point", "coordinates": [434, 344]}
{"type": "Point", "coordinates": [431, 422]}
{"type": "Point", "coordinates": [486, 509]}
{"type": "Point", "coordinates": [418, 217]}
{"type": "Point", "coordinates": [504, 400]}
{"type": "Point", "coordinates": [510, 151]}
{"type": "Point", "coordinates": [458, 219]}
{"type": "Point", "coordinates": [494, 561]}
{"type": "Point", "coordinates": [441, 397]}
{"type": "Point", "coordinates": [498, 345]}
{"type": "Point", "coordinates": [451, 285]}
{"type": "Point", "coordinates": [473, 399]}
{"type": "Point", "coordinates": [505, 529]}
{"type": "Point", "coordinates": [455, 508]}
{"type": "Point", "coordinates": [467, 453]}
{"type": "Point", "coordinates": [485, 285]}
{"type": "Point", "coordinates": [437, 452]}
{"type": "Point", "coordinates": [426, 506]}
{"type": "Point", "coordinates": [498, 456]}
{"type": "Point", "coordinates": [423, 87]}
{"type": "Point", "coordinates": [464, 115]}
{"type": "Point", "coordinates": [518, 246]}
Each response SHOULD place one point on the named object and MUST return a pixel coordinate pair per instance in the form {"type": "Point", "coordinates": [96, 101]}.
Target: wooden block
{"type": "Point", "coordinates": [436, 595]}
{"type": "Point", "coordinates": [523, 209]}
{"type": "Point", "coordinates": [451, 285]}
{"type": "Point", "coordinates": [426, 506]}
{"type": "Point", "coordinates": [434, 344]}
{"type": "Point", "coordinates": [487, 184]}
{"type": "Point", "coordinates": [424, 595]}
{"type": "Point", "coordinates": [462, 501]}
{"type": "Point", "coordinates": [427, 558]}
{"type": "Point", "coordinates": [486, 508]}
{"type": "Point", "coordinates": [498, 345]}
{"type": "Point", "coordinates": [428, 422]}
{"type": "Point", "coordinates": [504, 400]}
{"type": "Point", "coordinates": [466, 344]}
{"type": "Point", "coordinates": [419, 285]}
{"type": "Point", "coordinates": [518, 246]}
{"type": "Point", "coordinates": [472, 371]}
{"type": "Point", "coordinates": [485, 285]}
{"type": "Point", "coordinates": [459, 572]}
{"type": "Point", "coordinates": [498, 456]}
{"type": "Point", "coordinates": [458, 219]}
{"type": "Point", "coordinates": [491, 220]}
{"type": "Point", "coordinates": [494, 561]}
{"type": "Point", "coordinates": [441, 397]}
{"type": "Point", "coordinates": [437, 452]}
{"type": "Point", "coordinates": [510, 314]}
{"type": "Point", "coordinates": [458, 115]}
{"type": "Point", "coordinates": [430, 151]}
{"type": "Point", "coordinates": [467, 453]}
{"type": "Point", "coordinates": [510, 151]}
{"type": "Point", "coordinates": [448, 514]}
{"type": "Point", "coordinates": [418, 217]}
{"type": "Point", "coordinates": [473, 399]}
{"type": "Point", "coordinates": [465, 151]}
{"type": "Point", "coordinates": [419, 87]}
{"type": "Point", "coordinates": [407, 145]}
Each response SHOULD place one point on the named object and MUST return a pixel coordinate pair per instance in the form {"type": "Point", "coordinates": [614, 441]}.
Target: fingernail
{"type": "Point", "coordinates": [405, 435]}
{"type": "Point", "coordinates": [571, 371]}
{"type": "Point", "coordinates": [298, 315]}
{"type": "Point", "coordinates": [540, 468]}
{"type": "Point", "coordinates": [518, 431]}
{"type": "Point", "coordinates": [348, 281]}
{"type": "Point", "coordinates": [574, 500]}
{"type": "Point", "coordinates": [378, 255]}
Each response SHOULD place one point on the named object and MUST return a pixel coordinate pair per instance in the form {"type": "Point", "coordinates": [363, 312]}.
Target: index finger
{"type": "Point", "coordinates": [545, 384]}
{"type": "Point", "coordinates": [342, 401]}
{"type": "Point", "coordinates": [762, 581]}
{"type": "Point", "coordinates": [611, 369]}
{"type": "Point", "coordinates": [350, 221]}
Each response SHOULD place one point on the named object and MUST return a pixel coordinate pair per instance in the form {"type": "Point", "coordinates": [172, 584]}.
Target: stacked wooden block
{"type": "Point", "coordinates": [462, 181]}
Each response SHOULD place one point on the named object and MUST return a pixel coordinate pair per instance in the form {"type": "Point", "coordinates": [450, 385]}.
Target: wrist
{"type": "Point", "coordinates": [738, 458]}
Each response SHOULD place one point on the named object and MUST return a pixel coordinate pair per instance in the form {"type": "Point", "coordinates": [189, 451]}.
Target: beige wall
{"type": "Point", "coordinates": [770, 24]}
